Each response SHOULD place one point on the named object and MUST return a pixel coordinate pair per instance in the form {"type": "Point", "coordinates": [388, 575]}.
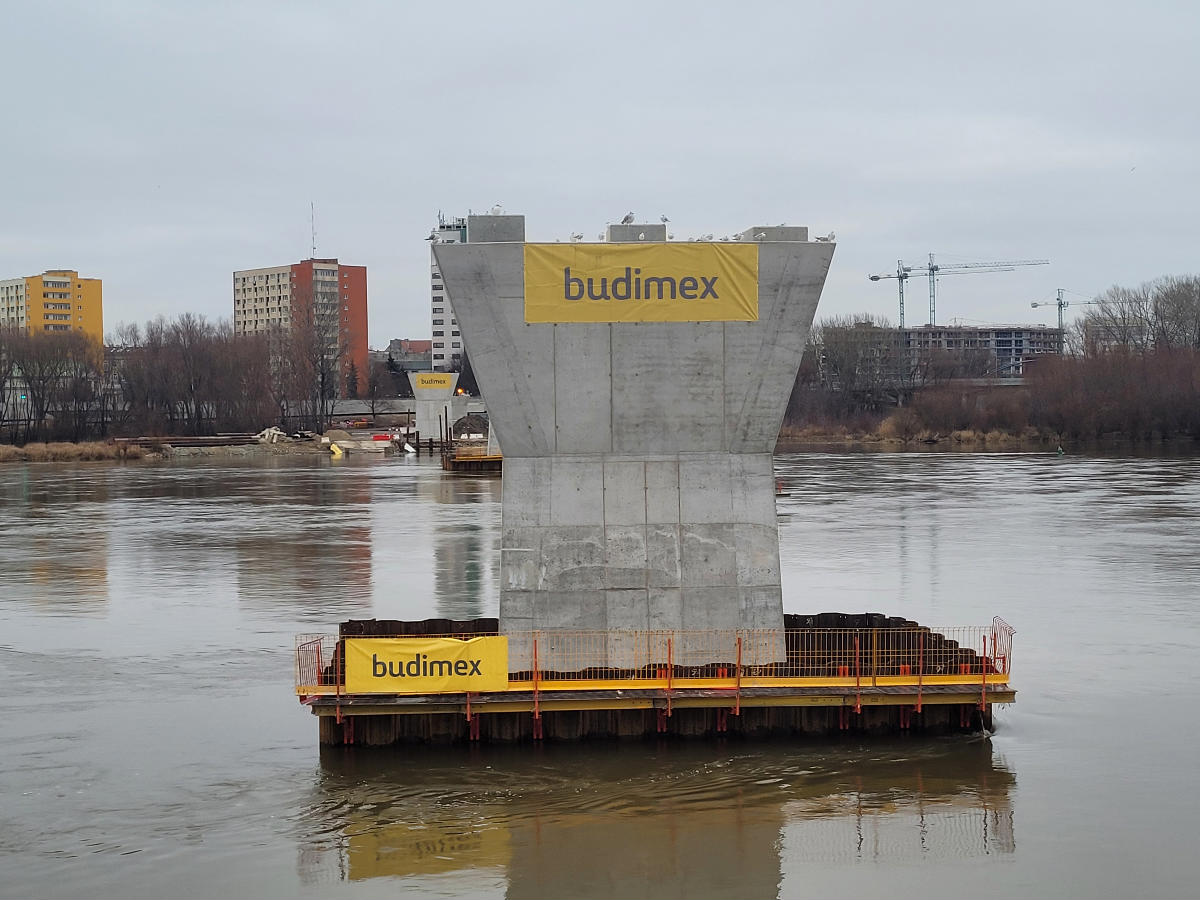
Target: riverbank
{"type": "Point", "coordinates": [885, 438]}
{"type": "Point", "coordinates": [91, 451]}
{"type": "Point", "coordinates": [808, 439]}
{"type": "Point", "coordinates": [63, 451]}
{"type": "Point", "coordinates": [791, 440]}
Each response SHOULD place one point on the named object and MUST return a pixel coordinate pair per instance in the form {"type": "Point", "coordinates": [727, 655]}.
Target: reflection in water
{"type": "Point", "coordinates": [465, 544]}
{"type": "Point", "coordinates": [56, 547]}
{"type": "Point", "coordinates": [170, 758]}
{"type": "Point", "coordinates": [665, 820]}
{"type": "Point", "coordinates": [323, 555]}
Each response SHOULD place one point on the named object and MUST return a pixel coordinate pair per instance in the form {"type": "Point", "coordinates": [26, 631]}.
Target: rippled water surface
{"type": "Point", "coordinates": [153, 747]}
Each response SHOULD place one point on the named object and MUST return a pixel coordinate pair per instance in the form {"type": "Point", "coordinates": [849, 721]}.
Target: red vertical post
{"type": "Point", "coordinates": [536, 709]}
{"type": "Point", "coordinates": [920, 667]}
{"type": "Point", "coordinates": [337, 668]}
{"type": "Point", "coordinates": [670, 672]}
{"type": "Point", "coordinates": [337, 682]}
{"type": "Point", "coordinates": [984, 666]}
{"type": "Point", "coordinates": [857, 678]}
{"type": "Point", "coordinates": [737, 697]}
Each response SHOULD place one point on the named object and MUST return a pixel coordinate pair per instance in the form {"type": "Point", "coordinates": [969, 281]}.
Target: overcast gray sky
{"type": "Point", "coordinates": [161, 146]}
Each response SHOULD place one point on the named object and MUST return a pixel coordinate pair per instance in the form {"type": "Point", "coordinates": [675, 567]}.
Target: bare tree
{"type": "Point", "coordinates": [76, 393]}
{"type": "Point", "coordinates": [1176, 312]}
{"type": "Point", "coordinates": [378, 393]}
{"type": "Point", "coordinates": [317, 345]}
{"type": "Point", "coordinates": [1121, 319]}
{"type": "Point", "coordinates": [41, 358]}
{"type": "Point", "coordinates": [7, 369]}
{"type": "Point", "coordinates": [863, 357]}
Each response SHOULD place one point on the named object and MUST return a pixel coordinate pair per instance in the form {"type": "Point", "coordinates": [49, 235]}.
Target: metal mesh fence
{"type": "Point", "coordinates": [961, 652]}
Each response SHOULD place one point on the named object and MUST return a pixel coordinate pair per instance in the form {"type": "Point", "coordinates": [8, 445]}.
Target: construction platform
{"type": "Point", "coordinates": [873, 674]}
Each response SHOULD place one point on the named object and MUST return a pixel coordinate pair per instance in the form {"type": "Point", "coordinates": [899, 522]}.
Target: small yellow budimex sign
{"type": "Point", "coordinates": [434, 380]}
{"type": "Point", "coordinates": [426, 665]}
{"type": "Point", "coordinates": [693, 282]}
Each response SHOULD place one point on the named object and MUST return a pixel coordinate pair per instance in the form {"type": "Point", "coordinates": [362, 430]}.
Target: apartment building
{"type": "Point", "coordinates": [322, 293]}
{"type": "Point", "coordinates": [55, 301]}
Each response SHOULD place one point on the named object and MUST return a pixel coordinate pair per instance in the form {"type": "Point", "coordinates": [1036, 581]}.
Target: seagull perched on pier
{"type": "Point", "coordinates": [432, 235]}
{"type": "Point", "coordinates": [628, 220]}
{"type": "Point", "coordinates": [577, 236]}
{"type": "Point", "coordinates": [663, 219]}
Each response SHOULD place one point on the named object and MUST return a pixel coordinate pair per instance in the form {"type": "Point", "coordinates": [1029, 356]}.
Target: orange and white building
{"type": "Point", "coordinates": [314, 290]}
{"type": "Point", "coordinates": [55, 301]}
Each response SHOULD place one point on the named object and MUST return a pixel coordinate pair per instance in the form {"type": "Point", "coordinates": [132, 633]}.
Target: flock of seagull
{"type": "Point", "coordinates": [628, 219]}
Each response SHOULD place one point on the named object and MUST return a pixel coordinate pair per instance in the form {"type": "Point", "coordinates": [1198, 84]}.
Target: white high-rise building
{"type": "Point", "coordinates": [447, 341]}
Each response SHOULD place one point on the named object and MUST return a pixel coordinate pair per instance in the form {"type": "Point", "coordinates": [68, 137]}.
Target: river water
{"type": "Point", "coordinates": [152, 745]}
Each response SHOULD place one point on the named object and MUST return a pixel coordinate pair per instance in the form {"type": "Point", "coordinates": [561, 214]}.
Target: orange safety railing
{"type": "Point", "coordinates": [550, 660]}
{"type": "Point", "coordinates": [314, 662]}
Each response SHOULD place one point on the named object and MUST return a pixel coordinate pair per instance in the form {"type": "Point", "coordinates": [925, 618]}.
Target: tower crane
{"type": "Point", "coordinates": [934, 269]}
{"type": "Point", "coordinates": [1062, 305]}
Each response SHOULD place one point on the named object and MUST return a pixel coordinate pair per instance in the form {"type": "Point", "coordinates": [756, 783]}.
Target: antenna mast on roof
{"type": "Point", "coordinates": [312, 216]}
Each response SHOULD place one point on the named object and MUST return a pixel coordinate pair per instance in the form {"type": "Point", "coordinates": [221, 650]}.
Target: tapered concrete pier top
{"type": "Point", "coordinates": [637, 387]}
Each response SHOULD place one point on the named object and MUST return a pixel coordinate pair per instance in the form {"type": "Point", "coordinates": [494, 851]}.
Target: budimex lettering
{"type": "Point", "coordinates": [421, 666]}
{"type": "Point", "coordinates": [632, 286]}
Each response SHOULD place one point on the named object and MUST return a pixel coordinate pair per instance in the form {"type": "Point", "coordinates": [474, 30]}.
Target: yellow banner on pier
{"type": "Point", "coordinates": [426, 665]}
{"type": "Point", "coordinates": [434, 380]}
{"type": "Point", "coordinates": [692, 282]}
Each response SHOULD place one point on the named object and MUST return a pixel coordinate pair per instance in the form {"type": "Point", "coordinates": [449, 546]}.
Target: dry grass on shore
{"type": "Point", "coordinates": [66, 452]}
{"type": "Point", "coordinates": [901, 431]}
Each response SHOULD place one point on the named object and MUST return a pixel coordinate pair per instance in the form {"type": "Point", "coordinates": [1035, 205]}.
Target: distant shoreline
{"type": "Point", "coordinates": [791, 440]}
{"type": "Point", "coordinates": [808, 440]}
{"type": "Point", "coordinates": [105, 451]}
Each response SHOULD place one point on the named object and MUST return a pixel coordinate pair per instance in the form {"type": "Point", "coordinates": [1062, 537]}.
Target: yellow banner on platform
{"type": "Point", "coordinates": [426, 665]}
{"type": "Point", "coordinates": [434, 380]}
{"type": "Point", "coordinates": [693, 282]}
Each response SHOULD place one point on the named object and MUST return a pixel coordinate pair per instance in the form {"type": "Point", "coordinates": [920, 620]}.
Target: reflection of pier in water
{"type": "Point", "coordinates": [466, 552]}
{"type": "Point", "coordinates": [652, 819]}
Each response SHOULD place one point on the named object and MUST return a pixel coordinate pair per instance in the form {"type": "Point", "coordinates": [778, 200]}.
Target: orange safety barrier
{"type": "Point", "coordinates": [544, 661]}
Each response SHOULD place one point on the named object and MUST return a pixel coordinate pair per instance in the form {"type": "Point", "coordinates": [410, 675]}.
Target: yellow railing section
{"type": "Point", "coordinates": [716, 660]}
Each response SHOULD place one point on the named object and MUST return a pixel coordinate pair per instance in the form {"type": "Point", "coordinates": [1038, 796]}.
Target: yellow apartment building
{"type": "Point", "coordinates": [57, 300]}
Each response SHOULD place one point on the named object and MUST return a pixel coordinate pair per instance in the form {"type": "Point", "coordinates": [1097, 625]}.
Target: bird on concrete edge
{"type": "Point", "coordinates": [663, 219]}
{"type": "Point", "coordinates": [628, 220]}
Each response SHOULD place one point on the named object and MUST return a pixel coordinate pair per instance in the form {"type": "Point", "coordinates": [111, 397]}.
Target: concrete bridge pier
{"type": "Point", "coordinates": [638, 487]}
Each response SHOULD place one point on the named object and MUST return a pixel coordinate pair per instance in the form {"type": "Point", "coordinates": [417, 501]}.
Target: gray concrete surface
{"type": "Point", "coordinates": [489, 229]}
{"type": "Point", "coordinates": [638, 488]}
{"type": "Point", "coordinates": [433, 402]}
{"type": "Point", "coordinates": [635, 233]}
